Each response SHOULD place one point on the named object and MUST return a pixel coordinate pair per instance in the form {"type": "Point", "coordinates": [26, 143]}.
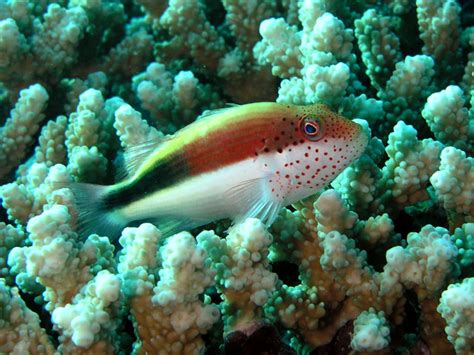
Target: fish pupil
{"type": "Point", "coordinates": [310, 128]}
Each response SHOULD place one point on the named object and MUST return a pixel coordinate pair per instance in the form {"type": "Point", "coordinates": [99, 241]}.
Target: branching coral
{"type": "Point", "coordinates": [17, 134]}
{"type": "Point", "coordinates": [21, 330]}
{"type": "Point", "coordinates": [163, 290]}
{"type": "Point", "coordinates": [371, 331]}
{"type": "Point", "coordinates": [457, 309]}
{"type": "Point", "coordinates": [172, 102]}
{"type": "Point", "coordinates": [243, 277]}
{"type": "Point", "coordinates": [454, 185]}
{"type": "Point", "coordinates": [449, 119]}
{"type": "Point", "coordinates": [389, 244]}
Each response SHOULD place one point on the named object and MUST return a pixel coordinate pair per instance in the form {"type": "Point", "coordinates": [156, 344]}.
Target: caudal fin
{"type": "Point", "coordinates": [94, 216]}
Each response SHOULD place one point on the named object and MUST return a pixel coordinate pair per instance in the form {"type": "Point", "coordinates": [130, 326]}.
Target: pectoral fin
{"type": "Point", "coordinates": [256, 200]}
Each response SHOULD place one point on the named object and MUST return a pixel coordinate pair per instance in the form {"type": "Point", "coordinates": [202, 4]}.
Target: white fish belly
{"type": "Point", "coordinates": [204, 198]}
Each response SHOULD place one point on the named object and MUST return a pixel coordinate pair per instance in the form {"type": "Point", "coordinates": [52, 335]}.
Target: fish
{"type": "Point", "coordinates": [238, 162]}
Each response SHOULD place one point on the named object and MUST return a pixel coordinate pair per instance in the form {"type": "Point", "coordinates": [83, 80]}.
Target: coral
{"type": "Point", "coordinates": [380, 47]}
{"type": "Point", "coordinates": [53, 255]}
{"type": "Point", "coordinates": [243, 277]}
{"type": "Point", "coordinates": [193, 33]}
{"type": "Point", "coordinates": [411, 164]}
{"type": "Point", "coordinates": [56, 40]}
{"type": "Point", "coordinates": [407, 88]}
{"type": "Point", "coordinates": [454, 185]}
{"type": "Point", "coordinates": [53, 42]}
{"type": "Point", "coordinates": [463, 238]}
{"type": "Point", "coordinates": [279, 47]}
{"type": "Point", "coordinates": [21, 329]}
{"type": "Point", "coordinates": [88, 135]}
{"type": "Point", "coordinates": [51, 149]}
{"type": "Point", "coordinates": [457, 307]}
{"type": "Point", "coordinates": [132, 129]}
{"type": "Point", "coordinates": [426, 263]}
{"type": "Point", "coordinates": [195, 38]}
{"type": "Point", "coordinates": [10, 237]}
{"type": "Point", "coordinates": [371, 331]}
{"type": "Point", "coordinates": [389, 244]}
{"type": "Point", "coordinates": [26, 197]}
{"type": "Point", "coordinates": [448, 119]}
{"type": "Point", "coordinates": [163, 290]}
{"type": "Point", "coordinates": [89, 312]}
{"type": "Point", "coordinates": [16, 136]}
{"type": "Point", "coordinates": [171, 101]}
{"type": "Point", "coordinates": [439, 26]}
{"type": "Point", "coordinates": [317, 63]}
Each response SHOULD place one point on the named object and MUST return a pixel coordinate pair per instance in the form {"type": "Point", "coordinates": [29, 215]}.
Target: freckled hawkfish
{"type": "Point", "coordinates": [239, 162]}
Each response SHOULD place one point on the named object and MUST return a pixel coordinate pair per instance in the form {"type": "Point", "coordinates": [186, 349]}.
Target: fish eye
{"type": "Point", "coordinates": [312, 128]}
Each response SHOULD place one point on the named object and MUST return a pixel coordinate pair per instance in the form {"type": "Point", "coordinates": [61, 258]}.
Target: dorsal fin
{"type": "Point", "coordinates": [217, 111]}
{"type": "Point", "coordinates": [134, 156]}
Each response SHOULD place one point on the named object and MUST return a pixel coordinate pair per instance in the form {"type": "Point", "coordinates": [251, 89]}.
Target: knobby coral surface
{"type": "Point", "coordinates": [380, 261]}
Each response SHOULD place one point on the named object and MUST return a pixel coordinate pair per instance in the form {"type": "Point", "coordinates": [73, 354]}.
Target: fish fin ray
{"type": "Point", "coordinates": [169, 225]}
{"type": "Point", "coordinates": [255, 199]}
{"type": "Point", "coordinates": [217, 111]}
{"type": "Point", "coordinates": [121, 172]}
{"type": "Point", "coordinates": [135, 155]}
{"type": "Point", "coordinates": [93, 216]}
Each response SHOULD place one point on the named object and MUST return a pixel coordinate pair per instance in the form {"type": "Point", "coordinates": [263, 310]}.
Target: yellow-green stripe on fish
{"type": "Point", "coordinates": [244, 161]}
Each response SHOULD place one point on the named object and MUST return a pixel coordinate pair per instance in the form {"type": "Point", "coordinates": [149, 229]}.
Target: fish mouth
{"type": "Point", "coordinates": [364, 138]}
{"type": "Point", "coordinates": [351, 135]}
{"type": "Point", "coordinates": [362, 135]}
{"type": "Point", "coordinates": [357, 139]}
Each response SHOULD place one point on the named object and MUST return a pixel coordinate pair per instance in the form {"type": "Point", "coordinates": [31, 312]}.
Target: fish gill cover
{"type": "Point", "coordinates": [382, 260]}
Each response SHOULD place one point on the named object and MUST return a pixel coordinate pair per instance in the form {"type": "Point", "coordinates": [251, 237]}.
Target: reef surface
{"type": "Point", "coordinates": [381, 261]}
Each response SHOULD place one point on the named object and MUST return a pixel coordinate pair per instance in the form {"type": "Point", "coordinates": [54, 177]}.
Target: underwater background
{"type": "Point", "coordinates": [381, 261]}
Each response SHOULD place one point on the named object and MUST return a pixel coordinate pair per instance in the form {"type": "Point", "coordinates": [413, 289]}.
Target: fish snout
{"type": "Point", "coordinates": [353, 136]}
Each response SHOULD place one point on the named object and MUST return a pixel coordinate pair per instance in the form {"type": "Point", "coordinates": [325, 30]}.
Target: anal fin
{"type": "Point", "coordinates": [169, 225]}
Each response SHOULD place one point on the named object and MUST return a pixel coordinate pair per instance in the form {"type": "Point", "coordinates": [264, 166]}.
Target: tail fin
{"type": "Point", "coordinates": [94, 215]}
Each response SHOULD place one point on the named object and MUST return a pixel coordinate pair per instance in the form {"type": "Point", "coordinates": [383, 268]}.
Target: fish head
{"type": "Point", "coordinates": [319, 143]}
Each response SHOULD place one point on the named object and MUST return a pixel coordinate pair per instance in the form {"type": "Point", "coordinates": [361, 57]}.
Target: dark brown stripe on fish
{"type": "Point", "coordinates": [165, 173]}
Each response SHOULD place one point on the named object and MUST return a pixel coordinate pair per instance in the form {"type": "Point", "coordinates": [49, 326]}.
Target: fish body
{"type": "Point", "coordinates": [244, 161]}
